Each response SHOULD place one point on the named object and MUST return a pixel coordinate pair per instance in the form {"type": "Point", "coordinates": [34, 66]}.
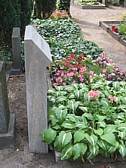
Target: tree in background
{"type": "Point", "coordinates": [44, 8]}
{"type": "Point", "coordinates": [26, 11]}
{"type": "Point", "coordinates": [9, 18]}
{"type": "Point", "coordinates": [64, 5]}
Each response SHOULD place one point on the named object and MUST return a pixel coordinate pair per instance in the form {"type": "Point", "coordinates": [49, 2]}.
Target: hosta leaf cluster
{"type": "Point", "coordinates": [82, 124]}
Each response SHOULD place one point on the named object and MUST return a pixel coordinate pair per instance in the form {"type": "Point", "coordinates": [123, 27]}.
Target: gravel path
{"type": "Point", "coordinates": [89, 22]}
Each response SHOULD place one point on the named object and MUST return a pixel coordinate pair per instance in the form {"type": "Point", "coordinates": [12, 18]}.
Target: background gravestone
{"type": "Point", "coordinates": [37, 58]}
{"type": "Point", "coordinates": [7, 121]}
{"type": "Point", "coordinates": [16, 63]}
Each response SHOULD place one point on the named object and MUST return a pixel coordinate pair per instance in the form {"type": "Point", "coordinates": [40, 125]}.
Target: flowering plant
{"type": "Point", "coordinates": [59, 14]}
{"type": "Point", "coordinates": [79, 69]}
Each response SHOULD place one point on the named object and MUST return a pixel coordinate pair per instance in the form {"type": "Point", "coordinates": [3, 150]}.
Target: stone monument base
{"type": "Point", "coordinates": [7, 140]}
{"type": "Point", "coordinates": [15, 71]}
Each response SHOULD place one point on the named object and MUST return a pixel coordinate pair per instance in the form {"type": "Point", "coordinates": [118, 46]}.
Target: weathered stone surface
{"type": "Point", "coordinates": [7, 121]}
{"type": "Point", "coordinates": [37, 58]}
{"type": "Point", "coordinates": [7, 140]}
{"type": "Point", "coordinates": [4, 109]}
{"type": "Point", "coordinates": [16, 65]}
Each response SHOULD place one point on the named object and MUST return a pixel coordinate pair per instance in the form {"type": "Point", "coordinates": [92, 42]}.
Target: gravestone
{"type": "Point", "coordinates": [7, 121]}
{"type": "Point", "coordinates": [37, 58]}
{"type": "Point", "coordinates": [16, 63]}
{"type": "Point", "coordinates": [105, 2]}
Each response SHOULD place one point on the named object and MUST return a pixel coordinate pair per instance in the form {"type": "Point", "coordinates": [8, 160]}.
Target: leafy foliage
{"type": "Point", "coordinates": [64, 38]}
{"type": "Point", "coordinates": [83, 124]}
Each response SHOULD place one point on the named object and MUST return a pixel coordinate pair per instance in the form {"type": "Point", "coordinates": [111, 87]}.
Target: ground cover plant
{"type": "Point", "coordinates": [64, 38]}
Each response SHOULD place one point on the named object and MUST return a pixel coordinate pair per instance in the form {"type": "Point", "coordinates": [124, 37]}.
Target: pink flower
{"type": "Point", "coordinates": [91, 73]}
{"type": "Point", "coordinates": [83, 69]}
{"type": "Point", "coordinates": [70, 74]}
{"type": "Point", "coordinates": [94, 94]}
{"type": "Point", "coordinates": [104, 71]}
{"type": "Point", "coordinates": [109, 76]}
{"type": "Point", "coordinates": [112, 98]}
{"type": "Point", "coordinates": [62, 74]}
{"type": "Point", "coordinates": [104, 62]}
{"type": "Point", "coordinates": [54, 84]}
{"type": "Point", "coordinates": [81, 79]}
{"type": "Point", "coordinates": [74, 81]}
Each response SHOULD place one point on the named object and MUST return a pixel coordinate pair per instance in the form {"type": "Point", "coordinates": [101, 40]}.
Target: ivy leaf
{"type": "Point", "coordinates": [79, 136]}
{"type": "Point", "coordinates": [48, 136]}
{"type": "Point", "coordinates": [66, 153]}
{"type": "Point", "coordinates": [109, 137]}
{"type": "Point", "coordinates": [79, 150]}
{"type": "Point", "coordinates": [64, 138]}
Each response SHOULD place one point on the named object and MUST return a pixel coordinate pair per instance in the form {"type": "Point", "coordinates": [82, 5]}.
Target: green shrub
{"type": "Point", "coordinates": [64, 5]}
{"type": "Point", "coordinates": [26, 10]}
{"type": "Point", "coordinates": [10, 17]}
{"type": "Point", "coordinates": [44, 8]}
{"type": "Point", "coordinates": [122, 29]}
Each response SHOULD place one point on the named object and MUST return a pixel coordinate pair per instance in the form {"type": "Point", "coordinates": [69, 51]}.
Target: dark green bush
{"type": "Point", "coordinates": [10, 17]}
{"type": "Point", "coordinates": [44, 8]}
{"type": "Point", "coordinates": [64, 5]}
{"type": "Point", "coordinates": [26, 10]}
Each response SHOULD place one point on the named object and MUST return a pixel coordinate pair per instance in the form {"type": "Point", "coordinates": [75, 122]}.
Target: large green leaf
{"type": "Point", "coordinates": [66, 153]}
{"type": "Point", "coordinates": [80, 125]}
{"type": "Point", "coordinates": [79, 135]}
{"type": "Point", "coordinates": [88, 115]}
{"type": "Point", "coordinates": [99, 131]}
{"type": "Point", "coordinates": [49, 135]}
{"type": "Point", "coordinates": [61, 114]}
{"type": "Point", "coordinates": [122, 149]}
{"type": "Point", "coordinates": [104, 102]}
{"type": "Point", "coordinates": [68, 125]}
{"type": "Point", "coordinates": [79, 150]}
{"type": "Point", "coordinates": [109, 137]}
{"type": "Point", "coordinates": [94, 149]}
{"type": "Point", "coordinates": [83, 109]}
{"type": "Point", "coordinates": [92, 139]}
{"type": "Point", "coordinates": [72, 117]}
{"type": "Point", "coordinates": [64, 138]}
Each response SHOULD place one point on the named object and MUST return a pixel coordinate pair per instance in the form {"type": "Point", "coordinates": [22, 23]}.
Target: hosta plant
{"type": "Point", "coordinates": [85, 120]}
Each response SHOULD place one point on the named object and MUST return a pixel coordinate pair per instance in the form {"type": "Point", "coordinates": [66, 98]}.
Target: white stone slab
{"type": "Point", "coordinates": [37, 58]}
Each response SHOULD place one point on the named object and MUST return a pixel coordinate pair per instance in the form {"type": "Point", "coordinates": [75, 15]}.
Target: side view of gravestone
{"type": "Point", "coordinates": [37, 58]}
{"type": "Point", "coordinates": [7, 121]}
{"type": "Point", "coordinates": [16, 62]}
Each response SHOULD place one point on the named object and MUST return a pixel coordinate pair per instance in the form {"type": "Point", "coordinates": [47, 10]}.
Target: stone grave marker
{"type": "Point", "coordinates": [37, 58]}
{"type": "Point", "coordinates": [16, 63]}
{"type": "Point", "coordinates": [7, 121]}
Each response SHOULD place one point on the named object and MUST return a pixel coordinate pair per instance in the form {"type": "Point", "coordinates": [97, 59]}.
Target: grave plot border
{"type": "Point", "coordinates": [100, 6]}
{"type": "Point", "coordinates": [106, 26]}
